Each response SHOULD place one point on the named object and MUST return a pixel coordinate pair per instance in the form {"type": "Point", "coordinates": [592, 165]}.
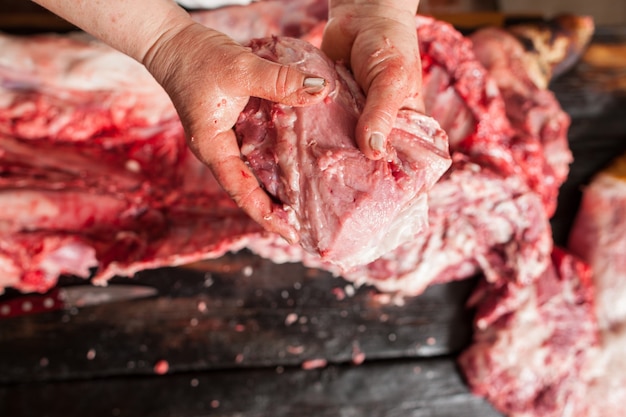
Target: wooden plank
{"type": "Point", "coordinates": [427, 388]}
{"type": "Point", "coordinates": [258, 314]}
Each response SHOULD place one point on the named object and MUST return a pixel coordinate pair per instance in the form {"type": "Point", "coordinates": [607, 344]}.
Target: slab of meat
{"type": "Point", "coordinates": [307, 158]}
{"type": "Point", "coordinates": [556, 347]}
{"type": "Point", "coordinates": [533, 344]}
{"type": "Point", "coordinates": [119, 139]}
{"type": "Point", "coordinates": [598, 236]}
{"type": "Point", "coordinates": [96, 162]}
{"type": "Point", "coordinates": [94, 170]}
{"type": "Point", "coordinates": [490, 213]}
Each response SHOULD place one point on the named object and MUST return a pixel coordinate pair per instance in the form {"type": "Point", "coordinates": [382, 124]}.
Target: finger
{"type": "Point", "coordinates": [284, 84]}
{"type": "Point", "coordinates": [385, 97]}
{"type": "Point", "coordinates": [222, 155]}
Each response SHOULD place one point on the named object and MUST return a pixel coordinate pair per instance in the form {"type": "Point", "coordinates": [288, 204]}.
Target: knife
{"type": "Point", "coordinates": [65, 298]}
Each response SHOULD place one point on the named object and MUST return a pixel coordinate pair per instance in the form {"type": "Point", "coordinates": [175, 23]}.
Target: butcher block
{"type": "Point", "coordinates": [241, 336]}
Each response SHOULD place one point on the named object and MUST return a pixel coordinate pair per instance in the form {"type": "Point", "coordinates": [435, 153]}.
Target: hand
{"type": "Point", "coordinates": [377, 39]}
{"type": "Point", "coordinates": [210, 78]}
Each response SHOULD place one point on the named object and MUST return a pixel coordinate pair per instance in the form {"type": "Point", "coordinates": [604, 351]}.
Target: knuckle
{"type": "Point", "coordinates": [239, 67]}
{"type": "Point", "coordinates": [283, 80]}
{"type": "Point", "coordinates": [246, 198]}
{"type": "Point", "coordinates": [382, 116]}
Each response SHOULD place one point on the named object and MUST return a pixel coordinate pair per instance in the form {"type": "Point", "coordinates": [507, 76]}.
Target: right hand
{"type": "Point", "coordinates": [209, 78]}
{"type": "Point", "coordinates": [377, 39]}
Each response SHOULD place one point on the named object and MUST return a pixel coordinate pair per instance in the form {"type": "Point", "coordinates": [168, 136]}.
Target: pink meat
{"type": "Point", "coordinates": [533, 344]}
{"type": "Point", "coordinates": [598, 236]}
{"type": "Point", "coordinates": [307, 158]}
{"type": "Point", "coordinates": [96, 132]}
{"type": "Point", "coordinates": [484, 215]}
{"type": "Point", "coordinates": [539, 145]}
{"type": "Point", "coordinates": [557, 347]}
{"type": "Point", "coordinates": [94, 170]}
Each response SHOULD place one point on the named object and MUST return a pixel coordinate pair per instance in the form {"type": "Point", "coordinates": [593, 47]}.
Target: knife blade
{"type": "Point", "coordinates": [65, 298]}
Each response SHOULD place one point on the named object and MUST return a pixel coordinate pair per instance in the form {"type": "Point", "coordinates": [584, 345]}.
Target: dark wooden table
{"type": "Point", "coordinates": [240, 336]}
{"type": "Point", "coordinates": [253, 339]}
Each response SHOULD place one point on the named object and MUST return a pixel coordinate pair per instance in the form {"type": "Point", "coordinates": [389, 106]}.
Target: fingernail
{"type": "Point", "coordinates": [377, 141]}
{"type": "Point", "coordinates": [314, 85]}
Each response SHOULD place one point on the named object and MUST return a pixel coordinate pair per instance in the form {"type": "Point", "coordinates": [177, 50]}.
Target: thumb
{"type": "Point", "coordinates": [285, 84]}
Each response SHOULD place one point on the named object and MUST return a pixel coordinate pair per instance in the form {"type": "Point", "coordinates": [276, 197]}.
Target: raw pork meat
{"type": "Point", "coordinates": [94, 170]}
{"type": "Point", "coordinates": [306, 157]}
{"type": "Point", "coordinates": [598, 236]}
{"type": "Point", "coordinates": [533, 344]}
{"type": "Point", "coordinates": [490, 213]}
{"type": "Point", "coordinates": [112, 184]}
{"type": "Point", "coordinates": [117, 140]}
{"type": "Point", "coordinates": [556, 348]}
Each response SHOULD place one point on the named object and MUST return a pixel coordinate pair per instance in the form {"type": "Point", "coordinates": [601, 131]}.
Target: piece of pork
{"type": "Point", "coordinates": [75, 129]}
{"type": "Point", "coordinates": [307, 158]}
{"type": "Point", "coordinates": [598, 236]}
{"type": "Point", "coordinates": [521, 60]}
{"type": "Point", "coordinates": [94, 169]}
{"type": "Point", "coordinates": [533, 344]}
{"type": "Point", "coordinates": [483, 215]}
{"type": "Point", "coordinates": [556, 348]}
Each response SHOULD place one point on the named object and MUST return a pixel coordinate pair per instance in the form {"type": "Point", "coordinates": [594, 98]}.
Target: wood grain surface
{"type": "Point", "coordinates": [262, 314]}
{"type": "Point", "coordinates": [429, 388]}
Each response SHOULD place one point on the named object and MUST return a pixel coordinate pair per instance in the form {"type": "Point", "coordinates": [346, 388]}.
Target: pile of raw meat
{"type": "Point", "coordinates": [96, 181]}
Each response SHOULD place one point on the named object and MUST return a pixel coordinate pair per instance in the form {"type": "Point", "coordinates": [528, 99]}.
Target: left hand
{"type": "Point", "coordinates": [377, 39]}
